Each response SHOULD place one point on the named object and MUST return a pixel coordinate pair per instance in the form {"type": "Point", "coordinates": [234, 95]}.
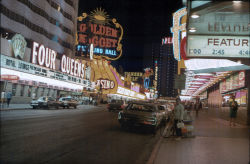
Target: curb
{"type": "Point", "coordinates": [156, 148]}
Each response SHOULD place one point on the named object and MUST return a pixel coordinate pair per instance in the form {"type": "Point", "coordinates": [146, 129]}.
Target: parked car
{"type": "Point", "coordinates": [68, 102]}
{"type": "Point", "coordinates": [115, 105]}
{"type": "Point", "coordinates": [142, 114]}
{"type": "Point", "coordinates": [44, 102]}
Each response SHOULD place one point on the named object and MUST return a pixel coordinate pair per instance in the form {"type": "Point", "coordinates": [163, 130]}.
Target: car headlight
{"type": "Point", "coordinates": [155, 121]}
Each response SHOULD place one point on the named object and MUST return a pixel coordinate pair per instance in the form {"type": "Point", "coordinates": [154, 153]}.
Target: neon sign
{"type": "Point", "coordinates": [176, 30]}
{"type": "Point", "coordinates": [103, 33]}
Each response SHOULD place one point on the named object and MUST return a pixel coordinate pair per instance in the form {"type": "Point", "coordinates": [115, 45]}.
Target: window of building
{"type": "Point", "coordinates": [42, 91]}
{"type": "Point", "coordinates": [35, 93]}
{"type": "Point", "coordinates": [22, 90]}
{"type": "Point", "coordinates": [29, 91]}
{"type": "Point", "coordinates": [14, 89]}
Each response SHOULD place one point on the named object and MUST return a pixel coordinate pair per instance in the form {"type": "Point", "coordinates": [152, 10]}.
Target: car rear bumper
{"type": "Point", "coordinates": [134, 122]}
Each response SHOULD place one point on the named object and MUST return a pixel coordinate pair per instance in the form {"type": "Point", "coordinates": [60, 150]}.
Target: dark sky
{"type": "Point", "coordinates": [143, 22]}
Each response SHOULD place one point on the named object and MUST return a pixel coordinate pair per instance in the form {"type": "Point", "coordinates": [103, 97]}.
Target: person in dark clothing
{"type": "Point", "coordinates": [233, 111]}
{"type": "Point", "coordinates": [8, 97]}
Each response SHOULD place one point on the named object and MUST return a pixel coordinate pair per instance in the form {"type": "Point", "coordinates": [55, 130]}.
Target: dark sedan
{"type": "Point", "coordinates": [142, 114]}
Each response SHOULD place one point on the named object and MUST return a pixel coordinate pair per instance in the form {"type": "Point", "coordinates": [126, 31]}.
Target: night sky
{"type": "Point", "coordinates": [143, 22]}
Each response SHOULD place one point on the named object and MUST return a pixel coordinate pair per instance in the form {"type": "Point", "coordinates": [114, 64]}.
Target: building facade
{"type": "Point", "coordinates": [45, 29]}
{"type": "Point", "coordinates": [163, 58]}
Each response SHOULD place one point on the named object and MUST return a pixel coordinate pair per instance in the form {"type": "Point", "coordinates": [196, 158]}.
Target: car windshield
{"type": "Point", "coordinates": [116, 101]}
{"type": "Point", "coordinates": [65, 99]}
{"type": "Point", "coordinates": [141, 107]}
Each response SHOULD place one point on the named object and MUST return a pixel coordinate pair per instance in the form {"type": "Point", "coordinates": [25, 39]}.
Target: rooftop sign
{"type": "Point", "coordinates": [103, 33]}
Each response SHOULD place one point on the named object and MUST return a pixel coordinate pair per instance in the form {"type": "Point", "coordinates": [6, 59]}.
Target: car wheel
{"type": "Point", "coordinates": [33, 107]}
{"type": "Point", "coordinates": [68, 107]}
{"type": "Point", "coordinates": [75, 106]}
{"type": "Point", "coordinates": [63, 107]}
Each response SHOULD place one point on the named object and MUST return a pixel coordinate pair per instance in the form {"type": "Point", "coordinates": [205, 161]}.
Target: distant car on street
{"type": "Point", "coordinates": [142, 114]}
{"type": "Point", "coordinates": [67, 102]}
{"type": "Point", "coordinates": [115, 105]}
{"type": "Point", "coordinates": [44, 102]}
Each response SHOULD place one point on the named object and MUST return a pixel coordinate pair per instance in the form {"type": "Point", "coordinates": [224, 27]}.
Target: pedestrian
{"type": "Point", "coordinates": [233, 111]}
{"type": "Point", "coordinates": [200, 105]}
{"type": "Point", "coordinates": [8, 96]}
{"type": "Point", "coordinates": [2, 97]}
{"type": "Point", "coordinates": [178, 117]}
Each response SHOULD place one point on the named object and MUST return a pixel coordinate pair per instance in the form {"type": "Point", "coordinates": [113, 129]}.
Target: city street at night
{"type": "Point", "coordinates": [91, 134]}
{"type": "Point", "coordinates": [125, 81]}
{"type": "Point", "coordinates": [87, 134]}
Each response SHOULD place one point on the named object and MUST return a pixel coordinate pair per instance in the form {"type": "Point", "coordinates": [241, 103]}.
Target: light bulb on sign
{"type": "Point", "coordinates": [91, 52]}
{"type": "Point", "coordinates": [195, 16]}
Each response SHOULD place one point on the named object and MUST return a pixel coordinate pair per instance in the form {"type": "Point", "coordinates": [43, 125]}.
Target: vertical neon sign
{"type": "Point", "coordinates": [176, 30]}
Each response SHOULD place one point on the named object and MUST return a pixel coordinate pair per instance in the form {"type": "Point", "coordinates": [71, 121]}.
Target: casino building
{"type": "Point", "coordinates": [35, 35]}
{"type": "Point", "coordinates": [38, 54]}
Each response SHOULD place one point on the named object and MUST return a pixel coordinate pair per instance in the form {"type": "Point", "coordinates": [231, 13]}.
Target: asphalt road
{"type": "Point", "coordinates": [90, 135]}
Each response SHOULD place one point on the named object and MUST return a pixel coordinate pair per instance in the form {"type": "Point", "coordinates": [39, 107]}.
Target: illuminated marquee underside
{"type": "Point", "coordinates": [103, 33]}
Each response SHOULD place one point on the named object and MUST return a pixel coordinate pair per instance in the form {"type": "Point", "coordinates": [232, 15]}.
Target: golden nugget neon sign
{"type": "Point", "coordinates": [176, 30]}
{"type": "Point", "coordinates": [103, 33]}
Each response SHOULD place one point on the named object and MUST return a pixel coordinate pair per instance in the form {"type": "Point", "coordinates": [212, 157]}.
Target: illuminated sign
{"type": "Point", "coordinates": [105, 83]}
{"type": "Point", "coordinates": [218, 46]}
{"type": "Point", "coordinates": [22, 66]}
{"type": "Point", "coordinates": [18, 45]}
{"type": "Point", "coordinates": [46, 57]}
{"type": "Point", "coordinates": [148, 72]}
{"type": "Point", "coordinates": [9, 77]}
{"type": "Point", "coordinates": [233, 82]}
{"type": "Point", "coordinates": [167, 40]}
{"type": "Point", "coordinates": [127, 92]}
{"type": "Point", "coordinates": [219, 34]}
{"type": "Point", "coordinates": [104, 33]}
{"type": "Point", "coordinates": [176, 30]}
{"type": "Point", "coordinates": [134, 76]}
{"type": "Point", "coordinates": [43, 56]}
{"type": "Point", "coordinates": [156, 74]}
{"type": "Point", "coordinates": [72, 66]}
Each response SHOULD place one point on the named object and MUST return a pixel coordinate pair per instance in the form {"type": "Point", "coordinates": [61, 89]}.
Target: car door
{"type": "Point", "coordinates": [162, 112]}
{"type": "Point", "coordinates": [51, 101]}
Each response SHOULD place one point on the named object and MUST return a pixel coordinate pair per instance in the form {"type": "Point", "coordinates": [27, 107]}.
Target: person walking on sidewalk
{"type": "Point", "coordinates": [178, 117]}
{"type": "Point", "coordinates": [233, 111]}
{"type": "Point", "coordinates": [8, 96]}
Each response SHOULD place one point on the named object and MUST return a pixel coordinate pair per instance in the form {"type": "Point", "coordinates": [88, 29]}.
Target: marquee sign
{"type": "Point", "coordinates": [218, 46]}
{"type": "Point", "coordinates": [103, 33]}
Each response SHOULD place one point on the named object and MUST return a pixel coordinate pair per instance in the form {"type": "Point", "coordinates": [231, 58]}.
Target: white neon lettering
{"type": "Point", "coordinates": [72, 66]}
{"type": "Point", "coordinates": [48, 55]}
{"type": "Point", "coordinates": [34, 52]}
{"type": "Point", "coordinates": [63, 64]}
{"type": "Point", "coordinates": [53, 59]}
{"type": "Point", "coordinates": [41, 55]}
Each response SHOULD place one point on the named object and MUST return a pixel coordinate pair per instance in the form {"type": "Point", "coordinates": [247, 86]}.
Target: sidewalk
{"type": "Point", "coordinates": [215, 143]}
